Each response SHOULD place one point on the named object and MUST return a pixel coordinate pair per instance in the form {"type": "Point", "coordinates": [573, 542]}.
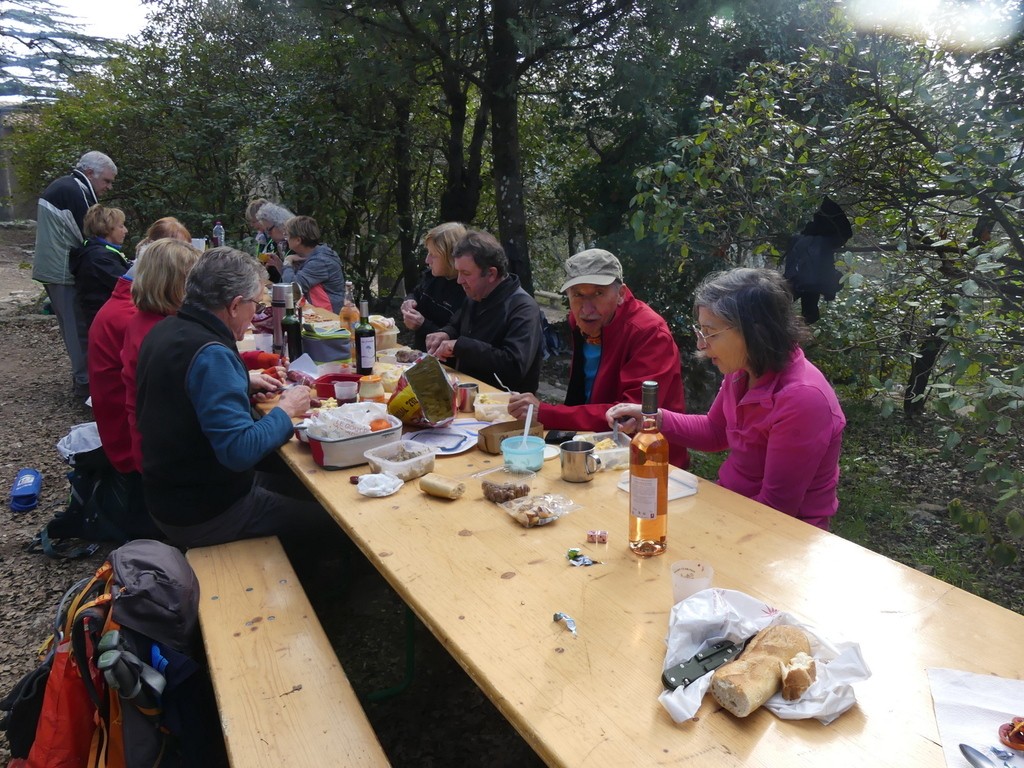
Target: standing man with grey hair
{"type": "Point", "coordinates": [200, 442]}
{"type": "Point", "coordinates": [618, 343]}
{"type": "Point", "coordinates": [59, 218]}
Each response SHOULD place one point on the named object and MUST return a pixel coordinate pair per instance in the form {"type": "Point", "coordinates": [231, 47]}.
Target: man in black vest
{"type": "Point", "coordinates": [200, 442]}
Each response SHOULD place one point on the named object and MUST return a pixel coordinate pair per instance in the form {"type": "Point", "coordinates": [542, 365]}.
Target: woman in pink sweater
{"type": "Point", "coordinates": [775, 413]}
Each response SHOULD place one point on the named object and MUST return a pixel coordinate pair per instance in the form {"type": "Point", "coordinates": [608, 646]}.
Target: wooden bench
{"type": "Point", "coordinates": [284, 699]}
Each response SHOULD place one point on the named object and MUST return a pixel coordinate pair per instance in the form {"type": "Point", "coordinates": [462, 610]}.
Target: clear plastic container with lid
{"type": "Point", "coordinates": [371, 388]}
{"type": "Point", "coordinates": [405, 459]}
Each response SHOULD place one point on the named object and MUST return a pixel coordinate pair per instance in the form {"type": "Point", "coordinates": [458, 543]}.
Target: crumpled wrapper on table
{"type": "Point", "coordinates": [724, 614]}
{"type": "Point", "coordinates": [379, 484]}
{"type": "Point", "coordinates": [347, 420]}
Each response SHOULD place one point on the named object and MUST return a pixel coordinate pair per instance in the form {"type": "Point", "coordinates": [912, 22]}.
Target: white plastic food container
{"type": "Point", "coordinates": [405, 459]}
{"type": "Point", "coordinates": [338, 453]}
{"type": "Point", "coordinates": [492, 406]}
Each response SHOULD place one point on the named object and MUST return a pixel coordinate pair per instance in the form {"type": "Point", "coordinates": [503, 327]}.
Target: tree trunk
{"type": "Point", "coordinates": [502, 94]}
{"type": "Point", "coordinates": [403, 194]}
{"type": "Point", "coordinates": [461, 196]}
{"type": "Point", "coordinates": [931, 346]}
{"type": "Point", "coordinates": [921, 371]}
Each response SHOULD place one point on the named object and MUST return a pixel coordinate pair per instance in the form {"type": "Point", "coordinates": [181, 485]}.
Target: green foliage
{"type": "Point", "coordinates": [877, 469]}
{"type": "Point", "coordinates": [977, 522]}
{"type": "Point", "coordinates": [919, 145]}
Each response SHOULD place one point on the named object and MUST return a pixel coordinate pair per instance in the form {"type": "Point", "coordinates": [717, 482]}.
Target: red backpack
{"type": "Point", "coordinates": [67, 721]}
{"type": "Point", "coordinates": [120, 654]}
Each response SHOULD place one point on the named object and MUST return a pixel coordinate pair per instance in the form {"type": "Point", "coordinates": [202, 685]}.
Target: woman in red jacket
{"type": "Point", "coordinates": [158, 290]}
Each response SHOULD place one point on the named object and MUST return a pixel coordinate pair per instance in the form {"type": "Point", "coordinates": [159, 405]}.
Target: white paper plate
{"type": "Point", "coordinates": [472, 426]}
{"type": "Point", "coordinates": [680, 483]}
{"type": "Point", "coordinates": [550, 452]}
{"type": "Point", "coordinates": [447, 441]}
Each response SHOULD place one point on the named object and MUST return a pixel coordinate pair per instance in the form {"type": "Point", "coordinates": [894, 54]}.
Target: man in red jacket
{"type": "Point", "coordinates": [618, 342]}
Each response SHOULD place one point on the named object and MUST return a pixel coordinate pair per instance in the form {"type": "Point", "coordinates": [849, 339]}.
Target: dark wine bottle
{"type": "Point", "coordinates": [291, 325]}
{"type": "Point", "coordinates": [365, 341]}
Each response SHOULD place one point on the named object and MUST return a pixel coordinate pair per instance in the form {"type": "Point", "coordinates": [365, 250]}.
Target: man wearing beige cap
{"type": "Point", "coordinates": [618, 342]}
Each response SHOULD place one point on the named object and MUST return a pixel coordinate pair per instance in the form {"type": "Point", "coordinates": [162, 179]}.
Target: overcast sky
{"type": "Point", "coordinates": [107, 18]}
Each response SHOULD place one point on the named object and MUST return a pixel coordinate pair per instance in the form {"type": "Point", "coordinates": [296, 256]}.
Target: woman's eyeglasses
{"type": "Point", "coordinates": [702, 338]}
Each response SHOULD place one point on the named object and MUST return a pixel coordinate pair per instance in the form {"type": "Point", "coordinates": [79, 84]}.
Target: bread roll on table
{"type": "Point", "coordinates": [747, 682]}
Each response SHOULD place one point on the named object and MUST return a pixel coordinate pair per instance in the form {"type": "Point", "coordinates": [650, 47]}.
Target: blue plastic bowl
{"type": "Point", "coordinates": [523, 454]}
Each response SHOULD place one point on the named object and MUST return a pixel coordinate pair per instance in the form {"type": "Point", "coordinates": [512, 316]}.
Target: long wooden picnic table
{"type": "Point", "coordinates": [488, 588]}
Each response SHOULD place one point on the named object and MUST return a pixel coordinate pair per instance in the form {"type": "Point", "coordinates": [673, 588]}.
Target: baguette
{"type": "Point", "coordinates": [797, 676]}
{"type": "Point", "coordinates": [747, 682]}
{"type": "Point", "coordinates": [441, 486]}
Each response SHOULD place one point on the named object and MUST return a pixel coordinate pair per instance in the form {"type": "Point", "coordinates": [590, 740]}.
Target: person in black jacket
{"type": "Point", "coordinates": [810, 259]}
{"type": "Point", "coordinates": [438, 296]}
{"type": "Point", "coordinates": [497, 336]}
{"type": "Point", "coordinates": [99, 261]}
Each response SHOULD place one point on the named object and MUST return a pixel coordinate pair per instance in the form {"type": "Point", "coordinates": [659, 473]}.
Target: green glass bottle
{"type": "Point", "coordinates": [365, 341]}
{"type": "Point", "coordinates": [291, 325]}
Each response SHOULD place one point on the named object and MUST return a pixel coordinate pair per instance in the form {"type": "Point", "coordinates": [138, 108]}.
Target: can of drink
{"type": "Point", "coordinates": [465, 396]}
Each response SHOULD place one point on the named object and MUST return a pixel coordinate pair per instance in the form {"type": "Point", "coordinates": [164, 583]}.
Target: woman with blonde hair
{"type": "Point", "coordinates": [252, 211]}
{"type": "Point", "coordinates": [168, 226]}
{"type": "Point", "coordinates": [158, 291]}
{"type": "Point", "coordinates": [99, 261]}
{"type": "Point", "coordinates": [432, 303]}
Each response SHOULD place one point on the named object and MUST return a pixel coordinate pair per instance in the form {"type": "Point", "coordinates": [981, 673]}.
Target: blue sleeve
{"type": "Point", "coordinates": [218, 386]}
{"type": "Point", "coordinates": [311, 273]}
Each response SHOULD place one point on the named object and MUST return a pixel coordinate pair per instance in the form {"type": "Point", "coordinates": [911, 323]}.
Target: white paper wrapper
{"type": "Point", "coordinates": [380, 484]}
{"type": "Point", "coordinates": [724, 614]}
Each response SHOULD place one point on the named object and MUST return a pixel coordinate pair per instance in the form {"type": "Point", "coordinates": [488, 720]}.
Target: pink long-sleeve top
{"type": "Point", "coordinates": [140, 325]}
{"type": "Point", "coordinates": [106, 340]}
{"type": "Point", "coordinates": [783, 435]}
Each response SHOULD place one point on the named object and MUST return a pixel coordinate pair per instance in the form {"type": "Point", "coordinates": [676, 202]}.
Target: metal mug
{"type": "Point", "coordinates": [578, 461]}
{"type": "Point", "coordinates": [465, 397]}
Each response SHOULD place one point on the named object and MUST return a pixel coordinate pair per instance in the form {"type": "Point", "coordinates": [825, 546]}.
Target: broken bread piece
{"type": "Point", "coordinates": [798, 675]}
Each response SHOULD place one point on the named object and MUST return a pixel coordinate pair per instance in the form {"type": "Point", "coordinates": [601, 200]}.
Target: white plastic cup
{"type": "Point", "coordinates": [199, 243]}
{"type": "Point", "coordinates": [689, 577]}
{"type": "Point", "coordinates": [346, 391]}
{"type": "Point", "coordinates": [264, 342]}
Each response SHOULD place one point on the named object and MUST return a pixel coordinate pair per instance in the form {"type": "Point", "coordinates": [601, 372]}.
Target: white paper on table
{"type": "Point", "coordinates": [724, 614]}
{"type": "Point", "coordinates": [304, 363]}
{"type": "Point", "coordinates": [680, 483]}
{"type": "Point", "coordinates": [969, 708]}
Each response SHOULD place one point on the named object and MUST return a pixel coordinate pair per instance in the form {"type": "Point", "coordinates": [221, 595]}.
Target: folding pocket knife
{"type": "Point", "coordinates": [708, 660]}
